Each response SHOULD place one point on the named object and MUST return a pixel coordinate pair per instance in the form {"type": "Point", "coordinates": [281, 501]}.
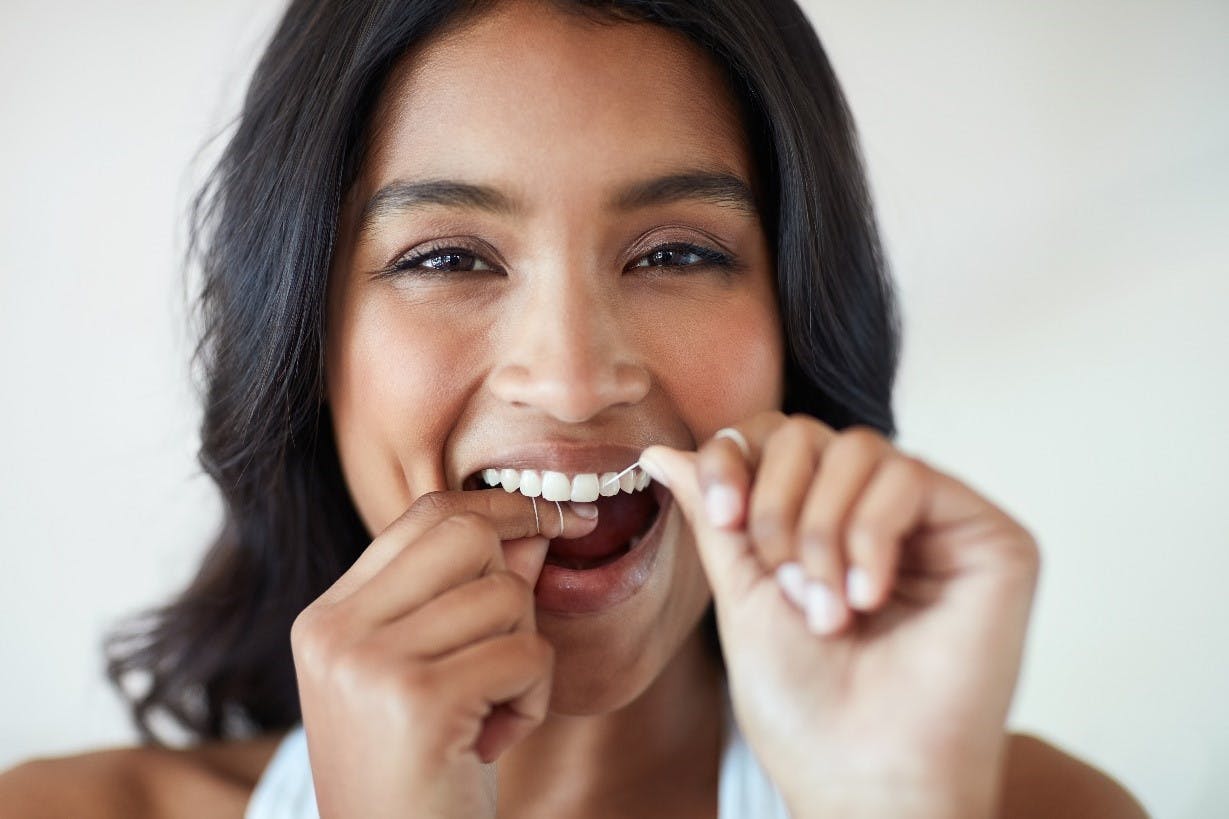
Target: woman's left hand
{"type": "Point", "coordinates": [872, 612]}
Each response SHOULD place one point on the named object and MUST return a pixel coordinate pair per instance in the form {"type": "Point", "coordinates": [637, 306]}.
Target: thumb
{"type": "Point", "coordinates": [725, 556]}
{"type": "Point", "coordinates": [525, 556]}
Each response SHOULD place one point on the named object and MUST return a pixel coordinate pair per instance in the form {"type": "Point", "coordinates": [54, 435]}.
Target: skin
{"type": "Point", "coordinates": [612, 714]}
{"type": "Point", "coordinates": [566, 344]}
{"type": "Point", "coordinates": [566, 339]}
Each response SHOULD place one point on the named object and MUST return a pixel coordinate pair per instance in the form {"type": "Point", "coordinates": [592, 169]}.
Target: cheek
{"type": "Point", "coordinates": [722, 364]}
{"type": "Point", "coordinates": [392, 386]}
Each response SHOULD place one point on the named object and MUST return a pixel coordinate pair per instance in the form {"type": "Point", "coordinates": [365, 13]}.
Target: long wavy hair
{"type": "Point", "coordinates": [216, 658]}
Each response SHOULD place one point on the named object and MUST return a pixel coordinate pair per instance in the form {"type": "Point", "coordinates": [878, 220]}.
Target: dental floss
{"type": "Point", "coordinates": [737, 437]}
{"type": "Point", "coordinates": [536, 523]}
{"type": "Point", "coordinates": [621, 474]}
{"type": "Point", "coordinates": [560, 508]}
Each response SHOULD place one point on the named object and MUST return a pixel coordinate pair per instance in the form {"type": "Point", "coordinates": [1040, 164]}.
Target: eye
{"type": "Point", "coordinates": [683, 255]}
{"type": "Point", "coordinates": [441, 260]}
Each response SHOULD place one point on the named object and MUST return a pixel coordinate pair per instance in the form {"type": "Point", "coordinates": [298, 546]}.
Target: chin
{"type": "Point", "coordinates": [602, 664]}
{"type": "Point", "coordinates": [589, 691]}
{"type": "Point", "coordinates": [605, 662]}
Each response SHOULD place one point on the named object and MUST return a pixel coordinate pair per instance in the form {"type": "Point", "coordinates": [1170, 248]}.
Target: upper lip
{"type": "Point", "coordinates": [559, 456]}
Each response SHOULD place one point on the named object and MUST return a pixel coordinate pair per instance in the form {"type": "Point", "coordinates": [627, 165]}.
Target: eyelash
{"type": "Point", "coordinates": [707, 258]}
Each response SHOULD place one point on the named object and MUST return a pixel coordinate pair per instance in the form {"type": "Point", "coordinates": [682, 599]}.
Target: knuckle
{"type": "Point", "coordinates": [911, 468]}
{"type": "Point", "coordinates": [1024, 552]}
{"type": "Point", "coordinates": [715, 453]}
{"type": "Point", "coordinates": [862, 439]}
{"type": "Point", "coordinates": [408, 690]}
{"type": "Point", "coordinates": [820, 534]}
{"type": "Point", "coordinates": [510, 589]}
{"type": "Point", "coordinates": [804, 424]}
{"type": "Point", "coordinates": [302, 628]}
{"type": "Point", "coordinates": [434, 505]}
{"type": "Point", "coordinates": [472, 526]}
{"type": "Point", "coordinates": [797, 428]}
{"type": "Point", "coordinates": [817, 425]}
{"type": "Point", "coordinates": [768, 523]}
{"type": "Point", "coordinates": [354, 668]}
{"type": "Point", "coordinates": [716, 463]}
{"type": "Point", "coordinates": [414, 682]}
{"type": "Point", "coordinates": [316, 636]}
{"type": "Point", "coordinates": [367, 666]}
{"type": "Point", "coordinates": [865, 535]}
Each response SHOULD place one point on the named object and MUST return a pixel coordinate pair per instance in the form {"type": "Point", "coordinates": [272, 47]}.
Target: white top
{"type": "Point", "coordinates": [744, 791]}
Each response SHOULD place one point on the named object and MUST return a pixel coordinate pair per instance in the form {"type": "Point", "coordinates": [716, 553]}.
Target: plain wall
{"type": "Point", "coordinates": [1051, 179]}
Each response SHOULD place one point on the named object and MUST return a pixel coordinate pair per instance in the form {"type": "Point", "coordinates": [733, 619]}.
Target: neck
{"type": "Point", "coordinates": [666, 743]}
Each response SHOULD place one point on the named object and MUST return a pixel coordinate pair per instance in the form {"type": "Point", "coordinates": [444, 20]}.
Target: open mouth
{"type": "Point", "coordinates": [623, 520]}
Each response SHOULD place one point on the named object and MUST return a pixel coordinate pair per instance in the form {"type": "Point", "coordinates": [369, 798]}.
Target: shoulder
{"type": "Point", "coordinates": [100, 784]}
{"type": "Point", "coordinates": [1041, 780]}
{"type": "Point", "coordinates": [140, 782]}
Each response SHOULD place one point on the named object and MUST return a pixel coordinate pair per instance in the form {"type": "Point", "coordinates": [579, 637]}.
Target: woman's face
{"type": "Point", "coordinates": [563, 306]}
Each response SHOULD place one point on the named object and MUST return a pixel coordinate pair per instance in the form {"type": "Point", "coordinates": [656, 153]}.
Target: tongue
{"type": "Point", "coordinates": [619, 518]}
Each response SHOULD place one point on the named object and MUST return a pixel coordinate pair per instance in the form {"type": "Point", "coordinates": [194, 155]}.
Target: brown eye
{"type": "Point", "coordinates": [442, 260]}
{"type": "Point", "coordinates": [682, 255]}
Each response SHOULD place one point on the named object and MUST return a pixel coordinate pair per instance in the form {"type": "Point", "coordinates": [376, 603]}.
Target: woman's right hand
{"type": "Point", "coordinates": [422, 663]}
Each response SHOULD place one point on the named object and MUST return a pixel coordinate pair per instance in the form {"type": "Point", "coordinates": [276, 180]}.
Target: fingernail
{"type": "Point", "coordinates": [858, 588]}
{"type": "Point", "coordinates": [722, 503]}
{"type": "Point", "coordinates": [654, 470]}
{"type": "Point", "coordinates": [823, 609]}
{"type": "Point", "coordinates": [793, 581]}
{"type": "Point", "coordinates": [584, 509]}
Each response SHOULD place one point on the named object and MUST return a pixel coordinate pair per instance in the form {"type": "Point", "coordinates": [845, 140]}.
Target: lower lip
{"type": "Point", "coordinates": [570, 591]}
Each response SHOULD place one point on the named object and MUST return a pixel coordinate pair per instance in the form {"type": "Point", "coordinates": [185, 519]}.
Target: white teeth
{"type": "Point", "coordinates": [642, 479]}
{"type": "Point", "coordinates": [584, 487]}
{"type": "Point", "coordinates": [558, 486]}
{"type": "Point", "coordinates": [627, 483]}
{"type": "Point", "coordinates": [531, 483]}
{"type": "Point", "coordinates": [510, 479]}
{"type": "Point", "coordinates": [608, 485]}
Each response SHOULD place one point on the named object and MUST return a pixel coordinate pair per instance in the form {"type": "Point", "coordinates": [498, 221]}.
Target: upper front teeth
{"type": "Point", "coordinates": [556, 486]}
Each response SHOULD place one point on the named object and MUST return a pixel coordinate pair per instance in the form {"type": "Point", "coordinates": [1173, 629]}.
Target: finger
{"type": "Point", "coordinates": [727, 561]}
{"type": "Point", "coordinates": [846, 466]}
{"type": "Point", "coordinates": [787, 467]}
{"type": "Point", "coordinates": [511, 513]}
{"type": "Point", "coordinates": [725, 468]}
{"type": "Point", "coordinates": [525, 557]}
{"type": "Point", "coordinates": [456, 550]}
{"type": "Point", "coordinates": [724, 479]}
{"type": "Point", "coordinates": [888, 510]}
{"type": "Point", "coordinates": [510, 678]}
{"type": "Point", "coordinates": [499, 602]}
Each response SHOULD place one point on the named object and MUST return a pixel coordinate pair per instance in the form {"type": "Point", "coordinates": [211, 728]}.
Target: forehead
{"type": "Point", "coordinates": [548, 102]}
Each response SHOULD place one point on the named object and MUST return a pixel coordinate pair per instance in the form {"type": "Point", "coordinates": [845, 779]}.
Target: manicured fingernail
{"type": "Point", "coordinates": [584, 509]}
{"type": "Point", "coordinates": [655, 471]}
{"type": "Point", "coordinates": [722, 503]}
{"type": "Point", "coordinates": [822, 607]}
{"type": "Point", "coordinates": [858, 588]}
{"type": "Point", "coordinates": [793, 581]}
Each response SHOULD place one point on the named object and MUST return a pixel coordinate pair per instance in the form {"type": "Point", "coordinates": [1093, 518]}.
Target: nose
{"type": "Point", "coordinates": [566, 354]}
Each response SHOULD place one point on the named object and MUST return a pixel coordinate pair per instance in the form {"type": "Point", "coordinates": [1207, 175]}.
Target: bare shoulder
{"type": "Point", "coordinates": [1042, 780]}
{"type": "Point", "coordinates": [96, 785]}
{"type": "Point", "coordinates": [209, 781]}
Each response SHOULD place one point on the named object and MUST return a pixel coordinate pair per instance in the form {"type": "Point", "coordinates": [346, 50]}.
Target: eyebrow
{"type": "Point", "coordinates": [401, 196]}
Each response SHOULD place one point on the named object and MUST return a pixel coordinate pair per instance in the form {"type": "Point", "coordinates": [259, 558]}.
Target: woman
{"type": "Point", "coordinates": [567, 248]}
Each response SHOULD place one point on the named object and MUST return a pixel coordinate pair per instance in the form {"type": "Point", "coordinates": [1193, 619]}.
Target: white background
{"type": "Point", "coordinates": [1052, 180]}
